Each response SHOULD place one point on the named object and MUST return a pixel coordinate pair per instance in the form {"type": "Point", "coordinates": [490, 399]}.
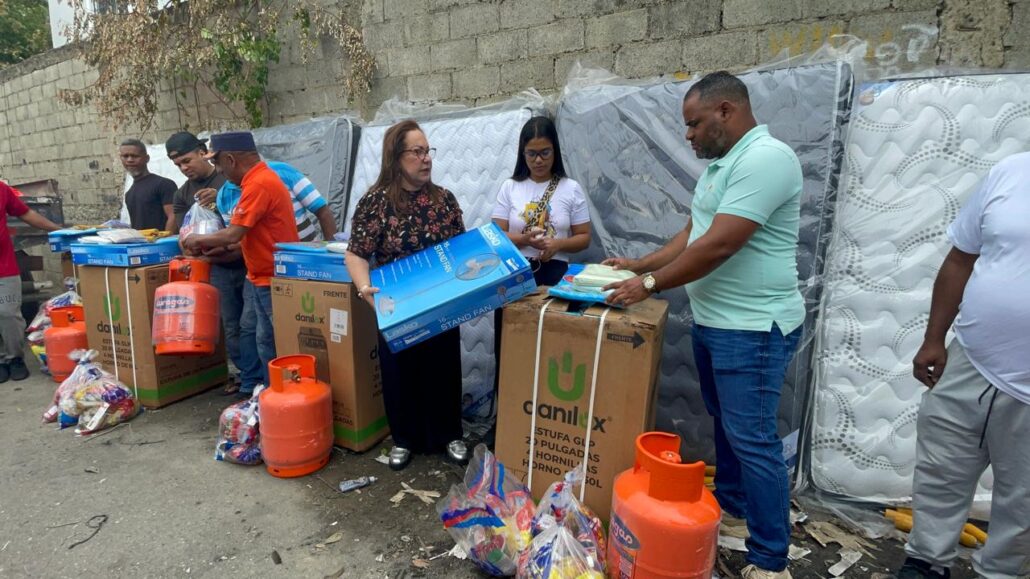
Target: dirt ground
{"type": "Point", "coordinates": [148, 500]}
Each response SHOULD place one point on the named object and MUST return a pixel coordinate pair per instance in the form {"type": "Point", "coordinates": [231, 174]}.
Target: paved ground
{"type": "Point", "coordinates": [165, 508]}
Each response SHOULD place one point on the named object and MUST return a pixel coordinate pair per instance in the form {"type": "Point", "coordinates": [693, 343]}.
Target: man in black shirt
{"type": "Point", "coordinates": [186, 151]}
{"type": "Point", "coordinates": [149, 199]}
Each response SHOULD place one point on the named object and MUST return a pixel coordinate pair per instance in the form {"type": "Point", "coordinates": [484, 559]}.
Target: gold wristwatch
{"type": "Point", "coordinates": [650, 284]}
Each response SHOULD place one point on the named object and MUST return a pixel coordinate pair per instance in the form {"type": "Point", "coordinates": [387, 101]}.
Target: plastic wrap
{"type": "Point", "coordinates": [239, 435]}
{"type": "Point", "coordinates": [476, 152]}
{"type": "Point", "coordinates": [556, 554]}
{"type": "Point", "coordinates": [489, 515]}
{"type": "Point", "coordinates": [200, 220]}
{"type": "Point", "coordinates": [559, 504]}
{"type": "Point", "coordinates": [321, 149]}
{"type": "Point", "coordinates": [917, 149]}
{"type": "Point", "coordinates": [625, 144]}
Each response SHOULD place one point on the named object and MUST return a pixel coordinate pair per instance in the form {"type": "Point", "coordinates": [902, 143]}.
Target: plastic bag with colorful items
{"type": "Point", "coordinates": [90, 398]}
{"type": "Point", "coordinates": [238, 432]}
{"type": "Point", "coordinates": [200, 220]}
{"type": "Point", "coordinates": [561, 505]}
{"type": "Point", "coordinates": [489, 515]}
{"type": "Point", "coordinates": [556, 553]}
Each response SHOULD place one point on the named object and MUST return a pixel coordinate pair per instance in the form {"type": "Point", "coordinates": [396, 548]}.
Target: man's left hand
{"type": "Point", "coordinates": [627, 293]}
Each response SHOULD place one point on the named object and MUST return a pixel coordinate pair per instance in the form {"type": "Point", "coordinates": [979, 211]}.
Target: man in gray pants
{"type": "Point", "coordinates": [12, 325]}
{"type": "Point", "coordinates": [977, 411]}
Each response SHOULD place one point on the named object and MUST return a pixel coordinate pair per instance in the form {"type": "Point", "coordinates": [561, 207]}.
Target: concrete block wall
{"type": "Point", "coordinates": [479, 51]}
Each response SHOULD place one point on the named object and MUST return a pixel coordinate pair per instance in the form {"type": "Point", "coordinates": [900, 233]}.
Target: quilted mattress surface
{"type": "Point", "coordinates": [916, 151]}
{"type": "Point", "coordinates": [626, 145]}
{"type": "Point", "coordinates": [475, 153]}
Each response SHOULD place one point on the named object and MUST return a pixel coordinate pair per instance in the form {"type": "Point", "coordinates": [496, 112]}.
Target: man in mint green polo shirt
{"type": "Point", "coordinates": [736, 257]}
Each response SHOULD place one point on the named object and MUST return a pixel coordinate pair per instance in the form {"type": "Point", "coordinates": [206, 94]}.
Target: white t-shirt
{"type": "Point", "coordinates": [568, 208]}
{"type": "Point", "coordinates": [993, 324]}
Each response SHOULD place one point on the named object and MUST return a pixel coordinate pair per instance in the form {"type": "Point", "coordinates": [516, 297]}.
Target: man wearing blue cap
{"type": "Point", "coordinates": [263, 217]}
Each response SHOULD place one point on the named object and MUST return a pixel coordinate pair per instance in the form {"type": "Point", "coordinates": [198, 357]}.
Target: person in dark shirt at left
{"type": "Point", "coordinates": [149, 199]}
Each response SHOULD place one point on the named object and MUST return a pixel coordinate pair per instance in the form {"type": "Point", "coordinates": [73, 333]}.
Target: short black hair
{"type": "Point", "coordinates": [135, 143]}
{"type": "Point", "coordinates": [720, 85]}
{"type": "Point", "coordinates": [538, 127]}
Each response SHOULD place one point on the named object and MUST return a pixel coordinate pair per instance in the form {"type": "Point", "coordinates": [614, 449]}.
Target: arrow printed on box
{"type": "Point", "coordinates": [135, 278]}
{"type": "Point", "coordinates": [636, 339]}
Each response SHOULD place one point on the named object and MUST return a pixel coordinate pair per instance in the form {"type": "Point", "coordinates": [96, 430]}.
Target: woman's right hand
{"type": "Point", "coordinates": [367, 292]}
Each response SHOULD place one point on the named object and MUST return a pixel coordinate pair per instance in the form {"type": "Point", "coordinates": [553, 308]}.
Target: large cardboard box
{"type": "Point", "coordinates": [330, 322]}
{"type": "Point", "coordinates": [448, 284]}
{"type": "Point", "coordinates": [119, 306]}
{"type": "Point", "coordinates": [623, 397]}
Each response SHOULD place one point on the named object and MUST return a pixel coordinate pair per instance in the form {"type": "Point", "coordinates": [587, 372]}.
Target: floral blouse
{"type": "Point", "coordinates": [381, 234]}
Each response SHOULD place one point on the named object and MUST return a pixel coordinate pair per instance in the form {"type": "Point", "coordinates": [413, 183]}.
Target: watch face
{"type": "Point", "coordinates": [649, 283]}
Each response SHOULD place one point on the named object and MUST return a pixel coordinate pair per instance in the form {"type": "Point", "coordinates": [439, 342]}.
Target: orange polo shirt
{"type": "Point", "coordinates": [266, 210]}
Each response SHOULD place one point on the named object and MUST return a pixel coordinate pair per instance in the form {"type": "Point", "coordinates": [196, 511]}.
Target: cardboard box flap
{"type": "Point", "coordinates": [649, 314]}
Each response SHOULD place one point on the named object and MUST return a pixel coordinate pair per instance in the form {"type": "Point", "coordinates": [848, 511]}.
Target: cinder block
{"type": "Point", "coordinates": [502, 46]}
{"type": "Point", "coordinates": [476, 82]}
{"type": "Point", "coordinates": [739, 13]}
{"type": "Point", "coordinates": [616, 29]}
{"type": "Point", "coordinates": [429, 87]}
{"type": "Point", "coordinates": [526, 13]}
{"type": "Point", "coordinates": [405, 61]}
{"type": "Point", "coordinates": [684, 18]}
{"type": "Point", "coordinates": [427, 30]}
{"type": "Point", "coordinates": [822, 8]}
{"type": "Point", "coordinates": [797, 39]}
{"type": "Point", "coordinates": [401, 9]}
{"type": "Point", "coordinates": [474, 19]}
{"type": "Point", "coordinates": [456, 54]}
{"type": "Point", "coordinates": [730, 50]}
{"type": "Point", "coordinates": [372, 12]}
{"type": "Point", "coordinates": [561, 36]}
{"type": "Point", "coordinates": [648, 59]}
{"type": "Point", "coordinates": [535, 73]}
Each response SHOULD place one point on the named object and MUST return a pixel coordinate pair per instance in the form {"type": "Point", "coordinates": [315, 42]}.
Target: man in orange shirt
{"type": "Point", "coordinates": [262, 217]}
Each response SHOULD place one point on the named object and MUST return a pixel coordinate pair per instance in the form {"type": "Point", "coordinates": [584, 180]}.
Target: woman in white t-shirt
{"type": "Point", "coordinates": [544, 212]}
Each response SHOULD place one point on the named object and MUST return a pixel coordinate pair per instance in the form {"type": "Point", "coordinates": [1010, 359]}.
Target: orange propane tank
{"type": "Point", "coordinates": [665, 523]}
{"type": "Point", "coordinates": [67, 333]}
{"type": "Point", "coordinates": [186, 310]}
{"type": "Point", "coordinates": [296, 418]}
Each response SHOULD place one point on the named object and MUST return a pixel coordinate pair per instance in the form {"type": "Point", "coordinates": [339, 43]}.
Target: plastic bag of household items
{"type": "Point", "coordinates": [200, 220]}
{"type": "Point", "coordinates": [41, 322]}
{"type": "Point", "coordinates": [238, 433]}
{"type": "Point", "coordinates": [489, 515]}
{"type": "Point", "coordinates": [557, 554]}
{"type": "Point", "coordinates": [560, 504]}
{"type": "Point", "coordinates": [91, 398]}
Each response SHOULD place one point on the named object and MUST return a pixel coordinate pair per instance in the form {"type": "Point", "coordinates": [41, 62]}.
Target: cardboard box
{"type": "Point", "coordinates": [624, 398]}
{"type": "Point", "coordinates": [125, 254]}
{"type": "Point", "coordinates": [62, 239]}
{"type": "Point", "coordinates": [119, 306]}
{"type": "Point", "coordinates": [330, 322]}
{"type": "Point", "coordinates": [444, 286]}
{"type": "Point", "coordinates": [323, 266]}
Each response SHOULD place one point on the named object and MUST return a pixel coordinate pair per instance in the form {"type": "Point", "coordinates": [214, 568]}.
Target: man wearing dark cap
{"type": "Point", "coordinates": [263, 217]}
{"type": "Point", "coordinates": [187, 152]}
{"type": "Point", "coordinates": [228, 272]}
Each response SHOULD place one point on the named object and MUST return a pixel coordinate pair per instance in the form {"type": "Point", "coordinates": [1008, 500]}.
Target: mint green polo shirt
{"type": "Point", "coordinates": [758, 179]}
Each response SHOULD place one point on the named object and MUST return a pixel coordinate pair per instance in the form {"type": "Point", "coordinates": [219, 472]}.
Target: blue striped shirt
{"type": "Point", "coordinates": [306, 199]}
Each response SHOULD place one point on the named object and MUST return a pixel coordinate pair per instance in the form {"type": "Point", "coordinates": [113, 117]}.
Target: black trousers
{"type": "Point", "coordinates": [422, 392]}
{"type": "Point", "coordinates": [546, 273]}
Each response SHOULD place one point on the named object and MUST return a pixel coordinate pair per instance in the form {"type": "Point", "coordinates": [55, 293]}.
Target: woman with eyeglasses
{"type": "Point", "coordinates": [403, 213]}
{"type": "Point", "coordinates": [543, 211]}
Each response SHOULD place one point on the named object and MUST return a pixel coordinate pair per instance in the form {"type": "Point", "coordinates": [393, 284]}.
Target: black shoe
{"type": "Point", "coordinates": [919, 569]}
{"type": "Point", "coordinates": [5, 373]}
{"type": "Point", "coordinates": [18, 369]}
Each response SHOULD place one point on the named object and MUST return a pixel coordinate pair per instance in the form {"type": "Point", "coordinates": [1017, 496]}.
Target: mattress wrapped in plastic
{"type": "Point", "coordinates": [321, 149]}
{"type": "Point", "coordinates": [476, 151]}
{"type": "Point", "coordinates": [625, 143]}
{"type": "Point", "coordinates": [917, 149]}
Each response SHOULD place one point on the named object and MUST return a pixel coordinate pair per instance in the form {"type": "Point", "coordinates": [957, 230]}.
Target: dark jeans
{"type": "Point", "coordinates": [229, 283]}
{"type": "Point", "coordinates": [545, 273]}
{"type": "Point", "coordinates": [422, 392]}
{"type": "Point", "coordinates": [741, 375]}
{"type": "Point", "coordinates": [259, 301]}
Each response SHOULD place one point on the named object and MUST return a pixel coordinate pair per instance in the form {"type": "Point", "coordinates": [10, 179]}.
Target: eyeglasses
{"type": "Point", "coordinates": [544, 154]}
{"type": "Point", "coordinates": [421, 153]}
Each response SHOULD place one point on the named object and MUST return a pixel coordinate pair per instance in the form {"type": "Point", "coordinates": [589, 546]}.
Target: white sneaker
{"type": "Point", "coordinates": [756, 572]}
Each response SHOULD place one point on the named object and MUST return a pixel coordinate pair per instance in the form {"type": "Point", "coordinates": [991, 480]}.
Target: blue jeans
{"type": "Point", "coordinates": [260, 299]}
{"type": "Point", "coordinates": [229, 283]}
{"type": "Point", "coordinates": [741, 375]}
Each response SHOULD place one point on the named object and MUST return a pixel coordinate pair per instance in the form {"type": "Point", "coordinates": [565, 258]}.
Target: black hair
{"type": "Point", "coordinates": [135, 143]}
{"type": "Point", "coordinates": [535, 128]}
{"type": "Point", "coordinates": [720, 85]}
